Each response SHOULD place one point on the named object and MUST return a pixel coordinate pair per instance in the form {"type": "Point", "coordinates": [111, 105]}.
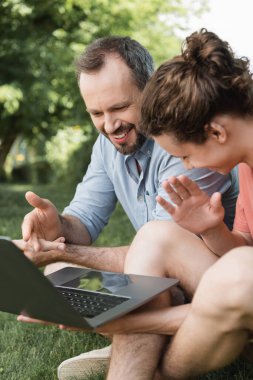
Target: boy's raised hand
{"type": "Point", "coordinates": [192, 208]}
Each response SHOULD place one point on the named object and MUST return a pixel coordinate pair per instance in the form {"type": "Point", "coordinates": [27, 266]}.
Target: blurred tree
{"type": "Point", "coordinates": [41, 38]}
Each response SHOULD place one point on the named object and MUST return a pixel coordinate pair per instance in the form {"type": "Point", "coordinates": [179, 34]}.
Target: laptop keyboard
{"type": "Point", "coordinates": [90, 304]}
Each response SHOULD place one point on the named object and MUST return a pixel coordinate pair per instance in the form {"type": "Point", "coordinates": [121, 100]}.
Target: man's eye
{"type": "Point", "coordinates": [121, 108]}
{"type": "Point", "coordinates": [96, 114]}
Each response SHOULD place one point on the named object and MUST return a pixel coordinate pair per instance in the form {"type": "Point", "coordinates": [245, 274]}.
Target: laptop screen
{"type": "Point", "coordinates": [104, 282]}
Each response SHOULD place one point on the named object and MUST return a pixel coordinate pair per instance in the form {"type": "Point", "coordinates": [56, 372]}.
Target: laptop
{"type": "Point", "coordinates": [77, 297]}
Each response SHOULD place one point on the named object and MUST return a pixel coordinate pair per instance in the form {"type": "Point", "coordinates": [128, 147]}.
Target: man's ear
{"type": "Point", "coordinates": [217, 132]}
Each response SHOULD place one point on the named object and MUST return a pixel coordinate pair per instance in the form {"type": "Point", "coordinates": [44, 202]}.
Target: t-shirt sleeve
{"type": "Point", "coordinates": [240, 223]}
{"type": "Point", "coordinates": [95, 199]}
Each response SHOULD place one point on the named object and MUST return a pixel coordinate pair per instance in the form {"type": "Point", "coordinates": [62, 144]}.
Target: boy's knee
{"type": "Point", "coordinates": [164, 234]}
{"type": "Point", "coordinates": [225, 291]}
{"type": "Point", "coordinates": [157, 229]}
{"type": "Point", "coordinates": [151, 248]}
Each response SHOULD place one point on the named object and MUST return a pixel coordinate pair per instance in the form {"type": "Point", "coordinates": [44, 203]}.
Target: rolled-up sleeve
{"type": "Point", "coordinates": [95, 199]}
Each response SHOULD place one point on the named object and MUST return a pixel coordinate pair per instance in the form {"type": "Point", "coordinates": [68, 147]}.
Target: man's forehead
{"type": "Point", "coordinates": [107, 89]}
{"type": "Point", "coordinates": [108, 101]}
{"type": "Point", "coordinates": [113, 71]}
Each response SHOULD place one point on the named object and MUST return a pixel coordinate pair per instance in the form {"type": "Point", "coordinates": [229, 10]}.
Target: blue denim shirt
{"type": "Point", "coordinates": [113, 177]}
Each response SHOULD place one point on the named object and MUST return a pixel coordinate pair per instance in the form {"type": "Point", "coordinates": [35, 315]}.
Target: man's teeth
{"type": "Point", "coordinates": [121, 136]}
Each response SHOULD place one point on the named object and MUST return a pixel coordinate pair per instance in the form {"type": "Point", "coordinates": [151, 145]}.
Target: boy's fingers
{"type": "Point", "coordinates": [191, 186]}
{"type": "Point", "coordinates": [24, 318]}
{"type": "Point", "coordinates": [46, 245]}
{"type": "Point", "coordinates": [34, 242]}
{"type": "Point", "coordinates": [215, 200]}
{"type": "Point", "coordinates": [166, 205]}
{"type": "Point", "coordinates": [174, 196]}
{"type": "Point", "coordinates": [60, 239]}
{"type": "Point", "coordinates": [20, 243]}
{"type": "Point", "coordinates": [181, 190]}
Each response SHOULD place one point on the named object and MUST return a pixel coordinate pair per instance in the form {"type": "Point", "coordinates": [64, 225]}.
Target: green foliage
{"type": "Point", "coordinates": [61, 147]}
{"type": "Point", "coordinates": [36, 172]}
{"type": "Point", "coordinates": [39, 41]}
{"type": "Point", "coordinates": [10, 97]}
{"type": "Point", "coordinates": [79, 161]}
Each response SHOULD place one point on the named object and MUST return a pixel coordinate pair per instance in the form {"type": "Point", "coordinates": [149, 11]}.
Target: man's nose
{"type": "Point", "coordinates": [111, 124]}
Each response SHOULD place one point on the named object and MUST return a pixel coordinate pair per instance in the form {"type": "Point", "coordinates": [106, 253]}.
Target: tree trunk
{"type": "Point", "coordinates": [5, 147]}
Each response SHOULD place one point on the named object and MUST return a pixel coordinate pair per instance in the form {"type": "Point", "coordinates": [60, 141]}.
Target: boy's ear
{"type": "Point", "coordinates": [217, 132]}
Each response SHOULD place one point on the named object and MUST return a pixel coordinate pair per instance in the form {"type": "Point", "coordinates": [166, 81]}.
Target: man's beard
{"type": "Point", "coordinates": [126, 148]}
{"type": "Point", "coordinates": [130, 149]}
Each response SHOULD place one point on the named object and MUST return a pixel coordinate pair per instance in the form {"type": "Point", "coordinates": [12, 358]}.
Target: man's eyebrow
{"type": "Point", "coordinates": [91, 110]}
{"type": "Point", "coordinates": [122, 104]}
{"type": "Point", "coordinates": [113, 107]}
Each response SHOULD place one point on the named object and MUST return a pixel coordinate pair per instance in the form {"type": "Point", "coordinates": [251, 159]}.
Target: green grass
{"type": "Point", "coordinates": [32, 352]}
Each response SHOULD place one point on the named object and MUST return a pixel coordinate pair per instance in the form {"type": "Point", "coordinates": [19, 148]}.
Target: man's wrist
{"type": "Point", "coordinates": [71, 252]}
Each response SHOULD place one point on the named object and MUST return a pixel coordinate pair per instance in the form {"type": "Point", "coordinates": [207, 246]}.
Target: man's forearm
{"type": "Point", "coordinates": [101, 258]}
{"type": "Point", "coordinates": [163, 321]}
{"type": "Point", "coordinates": [74, 230]}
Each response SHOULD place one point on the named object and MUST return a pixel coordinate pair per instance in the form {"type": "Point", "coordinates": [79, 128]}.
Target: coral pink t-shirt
{"type": "Point", "coordinates": [244, 206]}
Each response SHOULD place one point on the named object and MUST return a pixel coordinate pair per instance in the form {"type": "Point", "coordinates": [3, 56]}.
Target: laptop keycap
{"type": "Point", "coordinates": [90, 304]}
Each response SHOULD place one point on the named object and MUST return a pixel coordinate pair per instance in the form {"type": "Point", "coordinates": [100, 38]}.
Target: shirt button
{"type": "Point", "coordinates": [148, 151]}
{"type": "Point", "coordinates": [140, 198]}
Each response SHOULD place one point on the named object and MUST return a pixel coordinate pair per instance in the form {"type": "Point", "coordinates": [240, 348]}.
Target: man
{"type": "Point", "coordinates": [125, 167]}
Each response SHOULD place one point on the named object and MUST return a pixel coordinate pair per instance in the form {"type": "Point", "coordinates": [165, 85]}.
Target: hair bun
{"type": "Point", "coordinates": [206, 51]}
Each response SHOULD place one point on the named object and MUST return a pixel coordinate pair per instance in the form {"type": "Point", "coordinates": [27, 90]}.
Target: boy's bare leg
{"type": "Point", "coordinates": [166, 250]}
{"type": "Point", "coordinates": [217, 328]}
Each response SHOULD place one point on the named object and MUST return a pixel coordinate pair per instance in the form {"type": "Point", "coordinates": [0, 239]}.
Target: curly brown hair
{"type": "Point", "coordinates": [186, 92]}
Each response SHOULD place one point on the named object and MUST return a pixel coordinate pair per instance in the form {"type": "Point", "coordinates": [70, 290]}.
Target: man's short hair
{"type": "Point", "coordinates": [135, 56]}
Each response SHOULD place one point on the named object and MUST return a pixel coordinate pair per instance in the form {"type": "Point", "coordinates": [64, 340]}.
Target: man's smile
{"type": "Point", "coordinates": [121, 136]}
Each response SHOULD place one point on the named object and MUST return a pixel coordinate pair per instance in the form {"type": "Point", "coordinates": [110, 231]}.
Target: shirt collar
{"type": "Point", "coordinates": [145, 151]}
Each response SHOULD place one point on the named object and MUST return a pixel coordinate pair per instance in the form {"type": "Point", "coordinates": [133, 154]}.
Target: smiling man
{"type": "Point", "coordinates": [125, 167]}
{"type": "Point", "coordinates": [113, 113]}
